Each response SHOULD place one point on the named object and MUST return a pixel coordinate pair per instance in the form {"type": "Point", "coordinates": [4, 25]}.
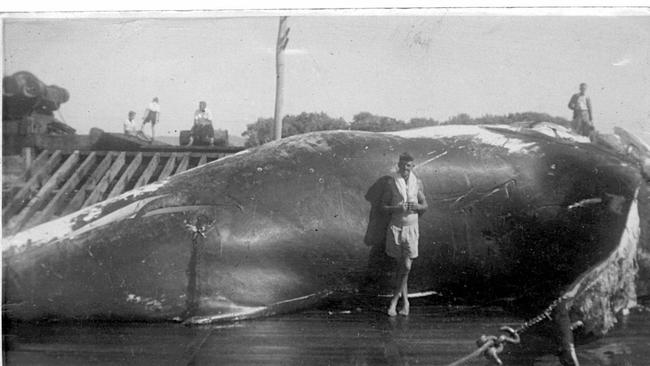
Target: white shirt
{"type": "Point", "coordinates": [154, 107]}
{"type": "Point", "coordinates": [582, 103]}
{"type": "Point", "coordinates": [408, 190]}
{"type": "Point", "coordinates": [129, 127]}
{"type": "Point", "coordinates": [202, 115]}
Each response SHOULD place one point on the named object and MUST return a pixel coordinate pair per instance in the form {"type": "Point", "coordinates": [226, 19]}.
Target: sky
{"type": "Point", "coordinates": [399, 66]}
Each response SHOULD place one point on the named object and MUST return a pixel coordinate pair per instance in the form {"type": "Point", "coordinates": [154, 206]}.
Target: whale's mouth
{"type": "Point", "coordinates": [76, 224]}
{"type": "Point", "coordinates": [608, 286]}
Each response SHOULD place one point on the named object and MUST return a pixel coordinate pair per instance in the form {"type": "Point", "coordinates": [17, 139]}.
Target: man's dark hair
{"type": "Point", "coordinates": [405, 157]}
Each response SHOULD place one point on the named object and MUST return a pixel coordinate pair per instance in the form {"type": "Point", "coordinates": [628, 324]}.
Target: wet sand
{"type": "Point", "coordinates": [431, 335]}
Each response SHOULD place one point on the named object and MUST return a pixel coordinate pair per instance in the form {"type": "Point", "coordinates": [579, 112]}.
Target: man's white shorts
{"type": "Point", "coordinates": [402, 241]}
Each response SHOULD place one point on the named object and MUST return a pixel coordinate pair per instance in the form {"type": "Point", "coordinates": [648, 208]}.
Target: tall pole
{"type": "Point", "coordinates": [283, 39]}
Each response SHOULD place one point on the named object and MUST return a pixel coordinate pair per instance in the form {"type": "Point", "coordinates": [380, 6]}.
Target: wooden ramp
{"type": "Point", "coordinates": [60, 182]}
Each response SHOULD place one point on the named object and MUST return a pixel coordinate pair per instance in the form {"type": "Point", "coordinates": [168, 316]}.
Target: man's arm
{"type": "Point", "coordinates": [422, 204]}
{"type": "Point", "coordinates": [591, 117]}
{"type": "Point", "coordinates": [386, 199]}
{"type": "Point", "coordinates": [572, 102]}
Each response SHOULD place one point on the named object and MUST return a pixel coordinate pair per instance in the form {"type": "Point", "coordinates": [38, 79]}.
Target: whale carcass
{"type": "Point", "coordinates": [270, 229]}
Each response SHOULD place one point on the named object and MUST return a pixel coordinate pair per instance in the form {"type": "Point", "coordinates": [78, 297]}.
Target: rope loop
{"type": "Point", "coordinates": [494, 345]}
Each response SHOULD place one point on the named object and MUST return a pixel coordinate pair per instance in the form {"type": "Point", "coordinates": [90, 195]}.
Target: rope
{"type": "Point", "coordinates": [546, 314]}
{"type": "Point", "coordinates": [473, 355]}
{"type": "Point", "coordinates": [491, 346]}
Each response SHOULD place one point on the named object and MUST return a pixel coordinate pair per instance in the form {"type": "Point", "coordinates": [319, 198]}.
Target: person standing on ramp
{"type": "Point", "coordinates": [404, 200]}
{"type": "Point", "coordinates": [151, 115]}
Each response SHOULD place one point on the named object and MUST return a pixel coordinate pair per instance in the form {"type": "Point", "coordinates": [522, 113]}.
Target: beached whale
{"type": "Point", "coordinates": [274, 228]}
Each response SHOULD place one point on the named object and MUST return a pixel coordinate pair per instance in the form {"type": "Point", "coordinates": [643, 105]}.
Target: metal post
{"type": "Point", "coordinates": [283, 39]}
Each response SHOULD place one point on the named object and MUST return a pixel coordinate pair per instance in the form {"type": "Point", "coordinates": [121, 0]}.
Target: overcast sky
{"type": "Point", "coordinates": [398, 66]}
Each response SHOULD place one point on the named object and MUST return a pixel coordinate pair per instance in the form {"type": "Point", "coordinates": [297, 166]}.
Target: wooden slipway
{"type": "Point", "coordinates": [59, 182]}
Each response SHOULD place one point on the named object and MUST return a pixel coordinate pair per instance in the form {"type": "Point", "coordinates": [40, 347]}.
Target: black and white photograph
{"type": "Point", "coordinates": [442, 185]}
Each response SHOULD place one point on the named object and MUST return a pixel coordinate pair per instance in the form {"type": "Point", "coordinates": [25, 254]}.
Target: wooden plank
{"type": "Point", "coordinates": [27, 153]}
{"type": "Point", "coordinates": [148, 172]}
{"type": "Point", "coordinates": [183, 164]}
{"type": "Point", "coordinates": [169, 167]}
{"type": "Point", "coordinates": [193, 148]}
{"type": "Point", "coordinates": [150, 150]}
{"type": "Point", "coordinates": [106, 180]}
{"type": "Point", "coordinates": [203, 160]}
{"type": "Point", "coordinates": [219, 156]}
{"type": "Point", "coordinates": [18, 221]}
{"type": "Point", "coordinates": [146, 154]}
{"type": "Point", "coordinates": [77, 201]}
{"type": "Point", "coordinates": [36, 164]}
{"type": "Point", "coordinates": [57, 202]}
{"type": "Point", "coordinates": [41, 174]}
{"type": "Point", "coordinates": [118, 188]}
{"type": "Point", "coordinates": [164, 154]}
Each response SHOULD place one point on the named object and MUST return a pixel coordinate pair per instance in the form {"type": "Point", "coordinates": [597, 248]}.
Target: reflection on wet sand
{"type": "Point", "coordinates": [431, 335]}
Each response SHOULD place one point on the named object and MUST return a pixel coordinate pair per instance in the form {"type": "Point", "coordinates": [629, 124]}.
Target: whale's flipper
{"type": "Point", "coordinates": [243, 313]}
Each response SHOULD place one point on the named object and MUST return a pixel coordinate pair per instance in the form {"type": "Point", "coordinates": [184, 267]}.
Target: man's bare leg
{"type": "Point", "coordinates": [401, 287]}
{"type": "Point", "coordinates": [392, 308]}
{"type": "Point", "coordinates": [404, 286]}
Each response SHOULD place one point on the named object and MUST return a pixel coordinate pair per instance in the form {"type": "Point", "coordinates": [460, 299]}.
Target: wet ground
{"type": "Point", "coordinates": [431, 335]}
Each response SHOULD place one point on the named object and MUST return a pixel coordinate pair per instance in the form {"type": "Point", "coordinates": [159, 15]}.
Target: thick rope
{"type": "Point", "coordinates": [473, 355]}
{"type": "Point", "coordinates": [491, 346]}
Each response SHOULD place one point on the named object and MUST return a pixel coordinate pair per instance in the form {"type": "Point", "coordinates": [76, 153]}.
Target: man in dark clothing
{"type": "Point", "coordinates": [582, 114]}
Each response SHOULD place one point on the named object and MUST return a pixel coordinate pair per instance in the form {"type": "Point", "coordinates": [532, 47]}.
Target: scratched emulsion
{"type": "Point", "coordinates": [432, 335]}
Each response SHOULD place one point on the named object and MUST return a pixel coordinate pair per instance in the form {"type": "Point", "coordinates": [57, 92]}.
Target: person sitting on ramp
{"type": "Point", "coordinates": [129, 125]}
{"type": "Point", "coordinates": [131, 129]}
{"type": "Point", "coordinates": [202, 131]}
{"type": "Point", "coordinates": [404, 200]}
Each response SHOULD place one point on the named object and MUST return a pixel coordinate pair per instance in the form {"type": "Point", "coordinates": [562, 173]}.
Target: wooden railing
{"type": "Point", "coordinates": [60, 182]}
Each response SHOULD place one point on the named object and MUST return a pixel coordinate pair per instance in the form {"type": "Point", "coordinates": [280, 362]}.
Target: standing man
{"type": "Point", "coordinates": [151, 114]}
{"type": "Point", "coordinates": [202, 130]}
{"type": "Point", "coordinates": [404, 200]}
{"type": "Point", "coordinates": [582, 115]}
